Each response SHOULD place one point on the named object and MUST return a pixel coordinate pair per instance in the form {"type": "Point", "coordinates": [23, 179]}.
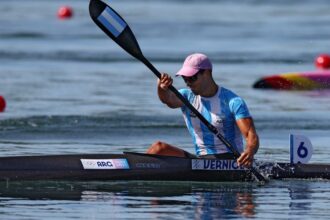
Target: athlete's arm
{"type": "Point", "coordinates": [248, 131]}
{"type": "Point", "coordinates": [165, 95]}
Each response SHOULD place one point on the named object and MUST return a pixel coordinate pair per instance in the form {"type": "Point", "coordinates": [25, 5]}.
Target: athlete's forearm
{"type": "Point", "coordinates": [252, 141]}
{"type": "Point", "coordinates": [165, 94]}
{"type": "Point", "coordinates": [248, 131]}
{"type": "Point", "coordinates": [168, 97]}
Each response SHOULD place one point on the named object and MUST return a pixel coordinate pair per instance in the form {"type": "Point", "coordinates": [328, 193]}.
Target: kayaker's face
{"type": "Point", "coordinates": [194, 81]}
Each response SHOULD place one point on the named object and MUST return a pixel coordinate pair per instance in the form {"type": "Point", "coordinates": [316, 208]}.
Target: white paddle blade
{"type": "Point", "coordinates": [301, 149]}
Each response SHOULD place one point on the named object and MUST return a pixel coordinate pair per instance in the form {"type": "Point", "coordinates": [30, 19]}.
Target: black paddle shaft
{"type": "Point", "coordinates": [118, 30]}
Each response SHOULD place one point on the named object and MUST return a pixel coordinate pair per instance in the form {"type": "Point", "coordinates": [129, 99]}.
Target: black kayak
{"type": "Point", "coordinates": [137, 166]}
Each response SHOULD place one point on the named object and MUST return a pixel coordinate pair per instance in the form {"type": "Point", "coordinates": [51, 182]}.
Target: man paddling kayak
{"type": "Point", "coordinates": [220, 106]}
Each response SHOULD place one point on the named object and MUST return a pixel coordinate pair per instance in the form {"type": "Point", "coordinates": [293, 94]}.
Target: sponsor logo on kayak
{"type": "Point", "coordinates": [104, 164]}
{"type": "Point", "coordinates": [200, 164]}
{"type": "Point", "coordinates": [148, 165]}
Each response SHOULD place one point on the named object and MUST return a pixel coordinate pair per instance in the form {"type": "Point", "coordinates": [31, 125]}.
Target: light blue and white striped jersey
{"type": "Point", "coordinates": [222, 110]}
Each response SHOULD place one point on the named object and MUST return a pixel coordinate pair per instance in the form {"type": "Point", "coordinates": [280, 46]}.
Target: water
{"type": "Point", "coordinates": [171, 200]}
{"type": "Point", "coordinates": [70, 89]}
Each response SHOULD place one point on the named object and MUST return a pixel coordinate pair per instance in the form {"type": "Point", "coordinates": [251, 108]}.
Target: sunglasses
{"type": "Point", "coordinates": [193, 78]}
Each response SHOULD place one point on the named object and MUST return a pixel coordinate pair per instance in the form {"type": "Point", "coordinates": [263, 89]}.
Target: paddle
{"type": "Point", "coordinates": [118, 30]}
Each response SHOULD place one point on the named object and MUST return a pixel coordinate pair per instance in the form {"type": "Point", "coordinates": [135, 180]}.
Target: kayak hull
{"type": "Point", "coordinates": [140, 167]}
{"type": "Point", "coordinates": [301, 171]}
{"type": "Point", "coordinates": [136, 166]}
{"type": "Point", "coordinates": [295, 81]}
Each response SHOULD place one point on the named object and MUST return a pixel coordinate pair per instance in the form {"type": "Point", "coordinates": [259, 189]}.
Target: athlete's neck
{"type": "Point", "coordinates": [210, 91]}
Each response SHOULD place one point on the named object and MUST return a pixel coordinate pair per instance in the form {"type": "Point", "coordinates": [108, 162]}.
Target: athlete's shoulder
{"type": "Point", "coordinates": [227, 93]}
{"type": "Point", "coordinates": [235, 102]}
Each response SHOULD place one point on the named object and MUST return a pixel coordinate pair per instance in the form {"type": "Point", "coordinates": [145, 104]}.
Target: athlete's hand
{"type": "Point", "coordinates": [165, 81]}
{"type": "Point", "coordinates": [246, 158]}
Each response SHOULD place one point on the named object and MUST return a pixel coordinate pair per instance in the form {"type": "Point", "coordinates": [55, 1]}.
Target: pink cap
{"type": "Point", "coordinates": [193, 64]}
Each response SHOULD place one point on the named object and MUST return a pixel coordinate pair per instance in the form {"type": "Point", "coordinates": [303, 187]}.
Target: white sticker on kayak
{"type": "Point", "coordinates": [104, 164]}
{"type": "Point", "coordinates": [201, 164]}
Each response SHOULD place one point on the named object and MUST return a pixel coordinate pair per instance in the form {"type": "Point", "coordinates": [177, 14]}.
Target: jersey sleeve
{"type": "Point", "coordinates": [239, 108]}
{"type": "Point", "coordinates": [186, 93]}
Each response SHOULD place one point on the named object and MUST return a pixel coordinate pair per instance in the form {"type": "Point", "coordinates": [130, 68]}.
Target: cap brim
{"type": "Point", "coordinates": [187, 71]}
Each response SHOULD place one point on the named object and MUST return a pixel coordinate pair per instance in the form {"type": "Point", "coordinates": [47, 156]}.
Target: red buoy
{"type": "Point", "coordinates": [2, 104]}
{"type": "Point", "coordinates": [323, 61]}
{"type": "Point", "coordinates": [64, 12]}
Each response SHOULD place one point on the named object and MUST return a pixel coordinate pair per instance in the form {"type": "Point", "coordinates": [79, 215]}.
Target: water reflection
{"type": "Point", "coordinates": [192, 200]}
{"type": "Point", "coordinates": [224, 202]}
{"type": "Point", "coordinates": [158, 200]}
{"type": "Point", "coordinates": [300, 197]}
